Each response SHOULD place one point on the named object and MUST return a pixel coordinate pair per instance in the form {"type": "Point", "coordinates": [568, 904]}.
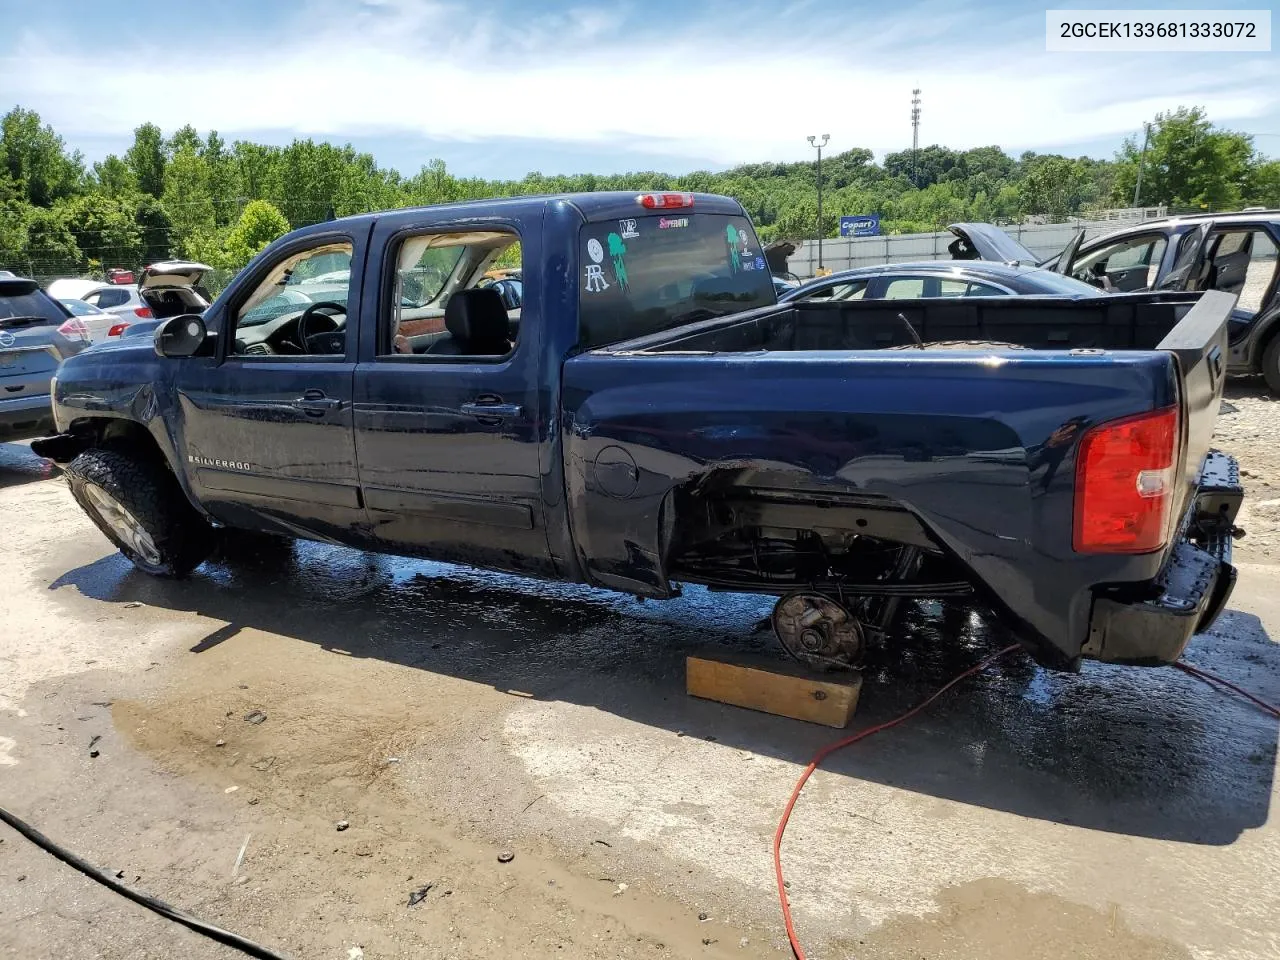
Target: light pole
{"type": "Point", "coordinates": [1146, 138]}
{"type": "Point", "coordinates": [814, 142]}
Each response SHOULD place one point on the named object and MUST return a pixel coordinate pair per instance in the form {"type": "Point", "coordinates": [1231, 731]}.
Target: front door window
{"type": "Point", "coordinates": [299, 307]}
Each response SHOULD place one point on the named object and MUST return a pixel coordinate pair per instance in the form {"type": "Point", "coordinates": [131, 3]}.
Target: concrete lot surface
{"type": "Point", "coordinates": [449, 715]}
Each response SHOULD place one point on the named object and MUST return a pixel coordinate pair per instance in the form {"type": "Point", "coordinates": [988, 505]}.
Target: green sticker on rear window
{"type": "Point", "coordinates": [617, 250]}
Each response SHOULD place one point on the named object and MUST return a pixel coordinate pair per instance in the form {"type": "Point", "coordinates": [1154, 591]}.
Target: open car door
{"type": "Point", "coordinates": [1189, 267]}
{"type": "Point", "coordinates": [1068, 255]}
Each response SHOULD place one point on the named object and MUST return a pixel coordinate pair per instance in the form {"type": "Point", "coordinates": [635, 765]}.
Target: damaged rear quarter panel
{"type": "Point", "coordinates": [962, 442]}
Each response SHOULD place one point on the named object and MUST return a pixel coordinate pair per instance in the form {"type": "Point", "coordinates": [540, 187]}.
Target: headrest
{"type": "Point", "coordinates": [477, 317]}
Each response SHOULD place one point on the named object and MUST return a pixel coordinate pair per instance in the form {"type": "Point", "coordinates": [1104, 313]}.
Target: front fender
{"type": "Point", "coordinates": [113, 390]}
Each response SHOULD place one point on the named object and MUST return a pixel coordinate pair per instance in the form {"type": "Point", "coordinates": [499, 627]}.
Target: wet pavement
{"type": "Point", "coordinates": [551, 716]}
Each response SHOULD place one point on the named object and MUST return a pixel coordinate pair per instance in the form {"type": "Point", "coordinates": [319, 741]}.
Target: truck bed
{"type": "Point", "coordinates": [793, 423]}
{"type": "Point", "coordinates": [1121, 322]}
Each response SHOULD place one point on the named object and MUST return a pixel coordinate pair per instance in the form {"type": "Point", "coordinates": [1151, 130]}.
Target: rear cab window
{"type": "Point", "coordinates": [640, 275]}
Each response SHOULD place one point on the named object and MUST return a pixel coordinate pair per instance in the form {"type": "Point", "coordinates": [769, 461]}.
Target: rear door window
{"type": "Point", "coordinates": [849, 291]}
{"type": "Point", "coordinates": [638, 276]}
{"type": "Point", "coordinates": [112, 298]}
{"type": "Point", "coordinates": [905, 288]}
{"type": "Point", "coordinates": [983, 290]}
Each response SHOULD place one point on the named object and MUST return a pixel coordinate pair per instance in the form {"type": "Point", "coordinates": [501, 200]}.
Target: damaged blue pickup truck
{"type": "Point", "coordinates": [639, 413]}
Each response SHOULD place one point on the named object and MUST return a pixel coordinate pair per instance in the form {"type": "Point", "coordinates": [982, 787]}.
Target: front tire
{"type": "Point", "coordinates": [141, 509]}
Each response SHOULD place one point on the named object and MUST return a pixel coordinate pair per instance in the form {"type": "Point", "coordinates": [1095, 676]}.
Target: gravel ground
{"type": "Point", "coordinates": [1247, 429]}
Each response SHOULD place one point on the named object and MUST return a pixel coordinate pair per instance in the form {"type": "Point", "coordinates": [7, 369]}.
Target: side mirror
{"type": "Point", "coordinates": [180, 336]}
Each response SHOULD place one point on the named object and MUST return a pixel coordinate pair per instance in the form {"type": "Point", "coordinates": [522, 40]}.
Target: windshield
{"type": "Point", "coordinates": [651, 273]}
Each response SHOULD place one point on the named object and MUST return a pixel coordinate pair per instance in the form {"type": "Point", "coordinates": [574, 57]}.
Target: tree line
{"type": "Point", "coordinates": [197, 196]}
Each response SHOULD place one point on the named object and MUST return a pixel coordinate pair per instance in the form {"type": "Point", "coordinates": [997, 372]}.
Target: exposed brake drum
{"type": "Point", "coordinates": [818, 631]}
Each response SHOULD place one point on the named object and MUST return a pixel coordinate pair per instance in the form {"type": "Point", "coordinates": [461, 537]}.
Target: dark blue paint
{"type": "Point", "coordinates": [575, 481]}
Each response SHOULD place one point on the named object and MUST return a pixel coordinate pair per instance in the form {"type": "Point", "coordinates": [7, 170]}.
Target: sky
{"type": "Point", "coordinates": [497, 88]}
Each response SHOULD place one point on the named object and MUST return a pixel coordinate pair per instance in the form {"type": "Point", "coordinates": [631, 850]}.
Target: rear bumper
{"type": "Point", "coordinates": [1151, 624]}
{"type": "Point", "coordinates": [24, 417]}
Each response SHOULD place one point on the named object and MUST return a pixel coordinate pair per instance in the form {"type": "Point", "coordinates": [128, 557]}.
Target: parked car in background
{"type": "Point", "coordinates": [164, 289]}
{"type": "Point", "coordinates": [939, 278]}
{"type": "Point", "coordinates": [1233, 252]}
{"type": "Point", "coordinates": [36, 334]}
{"type": "Point", "coordinates": [782, 285]}
{"type": "Point", "coordinates": [120, 300]}
{"type": "Point", "coordinates": [99, 323]}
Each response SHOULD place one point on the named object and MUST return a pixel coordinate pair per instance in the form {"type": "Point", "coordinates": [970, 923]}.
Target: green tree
{"type": "Point", "coordinates": [154, 226]}
{"type": "Point", "coordinates": [146, 158]}
{"type": "Point", "coordinates": [931, 164]}
{"type": "Point", "coordinates": [1264, 185]}
{"type": "Point", "coordinates": [1188, 163]}
{"type": "Point", "coordinates": [13, 222]}
{"type": "Point", "coordinates": [35, 159]}
{"type": "Point", "coordinates": [309, 180]}
{"type": "Point", "coordinates": [114, 178]}
{"type": "Point", "coordinates": [104, 228]}
{"type": "Point", "coordinates": [257, 168]}
{"type": "Point", "coordinates": [50, 243]}
{"type": "Point", "coordinates": [434, 184]}
{"type": "Point", "coordinates": [224, 180]}
{"type": "Point", "coordinates": [188, 198]}
{"type": "Point", "coordinates": [1052, 186]}
{"type": "Point", "coordinates": [185, 138]}
{"type": "Point", "coordinates": [259, 224]}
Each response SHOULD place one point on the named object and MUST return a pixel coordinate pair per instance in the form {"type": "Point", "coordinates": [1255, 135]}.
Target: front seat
{"type": "Point", "coordinates": [477, 324]}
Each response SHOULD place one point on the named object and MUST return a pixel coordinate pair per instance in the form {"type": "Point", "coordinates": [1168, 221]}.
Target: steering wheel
{"type": "Point", "coordinates": [327, 308]}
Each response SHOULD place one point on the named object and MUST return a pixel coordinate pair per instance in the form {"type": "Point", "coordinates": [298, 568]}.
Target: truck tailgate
{"type": "Point", "coordinates": [1199, 344]}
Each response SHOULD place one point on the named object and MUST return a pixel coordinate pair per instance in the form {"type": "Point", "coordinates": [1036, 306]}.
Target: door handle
{"type": "Point", "coordinates": [315, 403]}
{"type": "Point", "coordinates": [492, 411]}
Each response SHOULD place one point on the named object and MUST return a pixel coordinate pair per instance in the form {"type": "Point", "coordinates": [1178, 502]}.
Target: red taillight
{"type": "Point", "coordinates": [144, 312]}
{"type": "Point", "coordinates": [74, 329]}
{"type": "Point", "coordinates": [664, 201]}
{"type": "Point", "coordinates": [116, 329]}
{"type": "Point", "coordinates": [1125, 474]}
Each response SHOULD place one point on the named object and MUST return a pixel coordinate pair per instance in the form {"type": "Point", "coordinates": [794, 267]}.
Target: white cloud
{"type": "Point", "coordinates": [731, 83]}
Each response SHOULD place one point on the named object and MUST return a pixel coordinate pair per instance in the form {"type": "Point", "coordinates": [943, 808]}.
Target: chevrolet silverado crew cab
{"type": "Point", "coordinates": [646, 415]}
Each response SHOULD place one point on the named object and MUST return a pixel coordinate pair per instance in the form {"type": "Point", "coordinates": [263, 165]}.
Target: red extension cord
{"type": "Point", "coordinates": [831, 748]}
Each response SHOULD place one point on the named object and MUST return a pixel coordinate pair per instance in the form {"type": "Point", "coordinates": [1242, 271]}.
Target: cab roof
{"type": "Point", "coordinates": [600, 205]}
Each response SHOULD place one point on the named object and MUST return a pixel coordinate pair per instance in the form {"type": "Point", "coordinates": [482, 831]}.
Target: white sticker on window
{"type": "Point", "coordinates": [596, 283]}
{"type": "Point", "coordinates": [595, 251]}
